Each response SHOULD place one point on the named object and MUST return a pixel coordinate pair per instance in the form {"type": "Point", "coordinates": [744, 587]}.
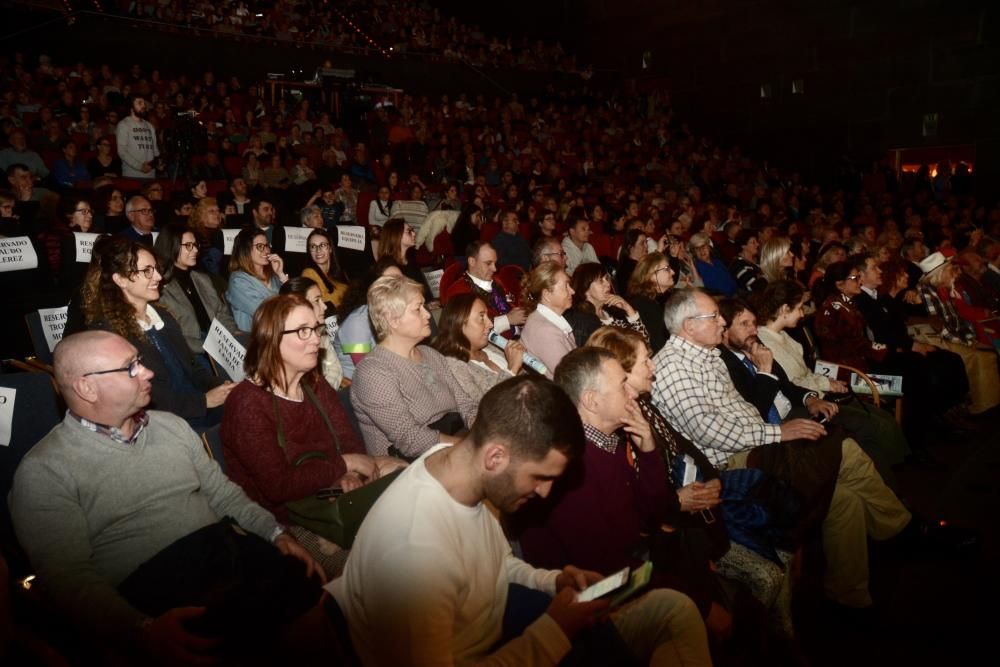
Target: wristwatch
{"type": "Point", "coordinates": [278, 532]}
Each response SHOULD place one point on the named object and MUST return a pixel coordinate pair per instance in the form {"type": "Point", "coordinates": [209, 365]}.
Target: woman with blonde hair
{"type": "Point", "coordinates": [776, 258]}
{"type": "Point", "coordinates": [405, 397]}
{"type": "Point", "coordinates": [547, 295]}
{"type": "Point", "coordinates": [206, 223]}
{"type": "Point", "coordinates": [651, 281]}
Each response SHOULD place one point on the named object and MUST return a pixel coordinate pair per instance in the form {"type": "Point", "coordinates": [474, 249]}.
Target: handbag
{"type": "Point", "coordinates": [338, 521]}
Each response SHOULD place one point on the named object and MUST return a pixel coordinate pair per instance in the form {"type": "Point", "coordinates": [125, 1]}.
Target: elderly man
{"type": "Point", "coordinates": [694, 391]}
{"type": "Point", "coordinates": [510, 245]}
{"type": "Point", "coordinates": [431, 579]}
{"type": "Point", "coordinates": [140, 214]}
{"type": "Point", "coordinates": [548, 249]}
{"type": "Point", "coordinates": [131, 527]}
{"type": "Point", "coordinates": [478, 279]}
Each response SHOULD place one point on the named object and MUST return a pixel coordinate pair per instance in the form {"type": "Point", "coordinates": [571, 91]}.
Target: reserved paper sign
{"type": "Point", "coordinates": [351, 237]}
{"type": "Point", "coordinates": [295, 238]}
{"type": "Point", "coordinates": [332, 326]}
{"type": "Point", "coordinates": [84, 246]}
{"type": "Point", "coordinates": [434, 282]}
{"type": "Point", "coordinates": [226, 350]}
{"type": "Point", "coordinates": [53, 324]}
{"type": "Point", "coordinates": [17, 254]}
{"type": "Point", "coordinates": [228, 236]}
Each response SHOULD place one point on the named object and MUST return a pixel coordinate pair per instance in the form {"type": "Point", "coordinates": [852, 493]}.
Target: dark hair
{"type": "Point", "coordinates": [532, 416]}
{"type": "Point", "coordinates": [583, 277]}
{"type": "Point", "coordinates": [263, 358]}
{"type": "Point", "coordinates": [102, 199]}
{"type": "Point", "coordinates": [102, 301]}
{"type": "Point", "coordinates": [335, 273]}
{"type": "Point", "coordinates": [835, 273]}
{"type": "Point", "coordinates": [730, 307]}
{"type": "Point", "coordinates": [579, 370]}
{"type": "Point", "coordinates": [744, 237]}
{"type": "Point", "coordinates": [473, 248]}
{"type": "Point", "coordinates": [357, 292]}
{"type": "Point", "coordinates": [167, 245]}
{"type": "Point", "coordinates": [768, 303]}
{"type": "Point", "coordinates": [68, 203]}
{"type": "Point", "coordinates": [297, 285]}
{"type": "Point", "coordinates": [630, 239]}
{"type": "Point", "coordinates": [890, 274]}
{"type": "Point", "coordinates": [451, 340]}
{"type": "Point", "coordinates": [262, 199]}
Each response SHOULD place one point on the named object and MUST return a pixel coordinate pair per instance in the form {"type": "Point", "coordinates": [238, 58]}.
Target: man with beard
{"type": "Point", "coordinates": [431, 579]}
{"type": "Point", "coordinates": [136, 139]}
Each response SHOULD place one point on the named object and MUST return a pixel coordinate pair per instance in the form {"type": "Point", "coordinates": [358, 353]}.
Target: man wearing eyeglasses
{"type": "Point", "coordinates": [548, 249]}
{"type": "Point", "coordinates": [694, 391]}
{"type": "Point", "coordinates": [110, 494]}
{"type": "Point", "coordinates": [140, 213]}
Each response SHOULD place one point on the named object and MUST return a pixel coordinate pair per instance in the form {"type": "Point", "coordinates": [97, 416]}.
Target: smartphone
{"type": "Point", "coordinates": [332, 492]}
{"type": "Point", "coordinates": [604, 586]}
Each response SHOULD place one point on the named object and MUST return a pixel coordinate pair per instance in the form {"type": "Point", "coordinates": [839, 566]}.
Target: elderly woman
{"type": "Point", "coordinates": [595, 304]}
{"type": "Point", "coordinates": [714, 274]}
{"type": "Point", "coordinates": [650, 282]}
{"type": "Point", "coordinates": [547, 296]}
{"type": "Point", "coordinates": [463, 339]}
{"type": "Point", "coordinates": [117, 296]}
{"type": "Point", "coordinates": [404, 394]}
{"type": "Point", "coordinates": [957, 335]}
{"type": "Point", "coordinates": [189, 294]}
{"type": "Point", "coordinates": [323, 270]}
{"type": "Point", "coordinates": [255, 274]}
{"type": "Point", "coordinates": [355, 338]}
{"type": "Point", "coordinates": [310, 291]}
{"type": "Point", "coordinates": [206, 223]}
{"type": "Point", "coordinates": [286, 435]}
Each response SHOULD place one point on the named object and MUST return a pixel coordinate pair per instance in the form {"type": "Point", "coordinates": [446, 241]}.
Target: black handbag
{"type": "Point", "coordinates": [340, 520]}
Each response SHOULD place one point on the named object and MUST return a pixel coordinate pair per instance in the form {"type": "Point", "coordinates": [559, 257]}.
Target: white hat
{"type": "Point", "coordinates": [932, 262]}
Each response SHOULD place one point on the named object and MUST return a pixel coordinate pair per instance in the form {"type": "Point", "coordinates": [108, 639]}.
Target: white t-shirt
{"type": "Point", "coordinates": [426, 583]}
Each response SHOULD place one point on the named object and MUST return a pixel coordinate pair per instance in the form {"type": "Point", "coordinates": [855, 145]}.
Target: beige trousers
{"type": "Point", "coordinates": [664, 629]}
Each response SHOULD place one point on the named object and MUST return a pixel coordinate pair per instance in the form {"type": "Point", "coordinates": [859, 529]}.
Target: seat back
{"type": "Point", "coordinates": [212, 440]}
{"type": "Point", "coordinates": [450, 275]}
{"type": "Point", "coordinates": [41, 347]}
{"type": "Point", "coordinates": [510, 277]}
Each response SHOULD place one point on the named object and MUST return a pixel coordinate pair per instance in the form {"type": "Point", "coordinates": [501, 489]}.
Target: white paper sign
{"type": "Point", "coordinates": [332, 326]}
{"type": "Point", "coordinates": [826, 369]}
{"type": "Point", "coordinates": [226, 350]}
{"type": "Point", "coordinates": [84, 246]}
{"type": "Point", "coordinates": [17, 254]}
{"type": "Point", "coordinates": [434, 282]}
{"type": "Point", "coordinates": [295, 238]}
{"type": "Point", "coordinates": [228, 236]}
{"type": "Point", "coordinates": [6, 414]}
{"type": "Point", "coordinates": [53, 323]}
{"type": "Point", "coordinates": [351, 237]}
{"type": "Point", "coordinates": [887, 385]}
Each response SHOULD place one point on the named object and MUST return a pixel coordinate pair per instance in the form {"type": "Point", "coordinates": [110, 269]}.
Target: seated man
{"type": "Point", "coordinates": [142, 215]}
{"type": "Point", "coordinates": [478, 279]}
{"type": "Point", "coordinates": [431, 579]}
{"type": "Point", "coordinates": [762, 382]}
{"type": "Point", "coordinates": [694, 391]}
{"type": "Point", "coordinates": [511, 247]}
{"type": "Point", "coordinates": [578, 250]}
{"type": "Point", "coordinates": [107, 502]}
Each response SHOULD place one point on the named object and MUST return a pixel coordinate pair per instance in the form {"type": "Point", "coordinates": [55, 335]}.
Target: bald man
{"type": "Point", "coordinates": [101, 504]}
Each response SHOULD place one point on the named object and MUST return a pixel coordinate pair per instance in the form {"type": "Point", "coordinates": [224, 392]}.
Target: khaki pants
{"type": "Point", "coordinates": [664, 629]}
{"type": "Point", "coordinates": [862, 506]}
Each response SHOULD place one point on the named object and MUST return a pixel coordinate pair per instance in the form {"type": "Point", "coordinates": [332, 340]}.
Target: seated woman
{"type": "Point", "coordinates": [467, 228]}
{"type": "Point", "coordinates": [206, 223]}
{"type": "Point", "coordinates": [355, 338]}
{"type": "Point", "coordinates": [121, 285]}
{"type": "Point", "coordinates": [647, 288]}
{"type": "Point", "coordinates": [109, 211]}
{"type": "Point", "coordinates": [328, 361]}
{"type": "Point", "coordinates": [323, 270]}
{"type": "Point", "coordinates": [595, 304]}
{"type": "Point", "coordinates": [78, 214]}
{"type": "Point", "coordinates": [463, 338]}
{"type": "Point", "coordinates": [776, 258]}
{"type": "Point", "coordinates": [957, 335]}
{"type": "Point", "coordinates": [189, 294]}
{"type": "Point", "coordinates": [381, 208]}
{"type": "Point", "coordinates": [633, 249]}
{"type": "Point", "coordinates": [255, 274]}
{"type": "Point", "coordinates": [714, 274]}
{"type": "Point", "coordinates": [404, 395]}
{"type": "Point", "coordinates": [547, 296]}
{"type": "Point", "coordinates": [286, 435]}
{"type": "Point", "coordinates": [396, 243]}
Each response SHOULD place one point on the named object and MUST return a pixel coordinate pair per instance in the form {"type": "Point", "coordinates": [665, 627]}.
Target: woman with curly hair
{"type": "Point", "coordinates": [595, 304]}
{"type": "Point", "coordinates": [547, 294]}
{"type": "Point", "coordinates": [206, 223]}
{"type": "Point", "coordinates": [121, 284]}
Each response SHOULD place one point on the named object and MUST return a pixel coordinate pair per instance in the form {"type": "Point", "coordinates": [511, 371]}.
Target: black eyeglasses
{"type": "Point", "coordinates": [319, 246]}
{"type": "Point", "coordinates": [146, 272]}
{"type": "Point", "coordinates": [143, 211]}
{"type": "Point", "coordinates": [190, 245]}
{"type": "Point", "coordinates": [262, 247]}
{"type": "Point", "coordinates": [132, 369]}
{"type": "Point", "coordinates": [305, 331]}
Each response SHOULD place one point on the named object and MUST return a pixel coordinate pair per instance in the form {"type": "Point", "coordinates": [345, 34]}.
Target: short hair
{"type": "Point", "coordinates": [473, 248]}
{"type": "Point", "coordinates": [451, 340]}
{"type": "Point", "coordinates": [698, 240]}
{"type": "Point", "coordinates": [643, 276]}
{"type": "Point", "coordinates": [744, 237]}
{"type": "Point", "coordinates": [623, 343]}
{"type": "Point", "coordinates": [306, 212]}
{"type": "Point", "coordinates": [580, 371]}
{"type": "Point", "coordinates": [679, 306]}
{"type": "Point", "coordinates": [263, 358]}
{"type": "Point", "coordinates": [15, 167]}
{"type": "Point", "coordinates": [532, 416]}
{"type": "Point", "coordinates": [387, 297]}
{"type": "Point", "coordinates": [68, 202]}
{"type": "Point", "coordinates": [262, 199]}
{"type": "Point", "coordinates": [767, 303]}
{"type": "Point", "coordinates": [539, 250]}
{"type": "Point", "coordinates": [131, 203]}
{"type": "Point", "coordinates": [539, 279]}
{"type": "Point", "coordinates": [730, 307]}
{"type": "Point", "coordinates": [242, 247]}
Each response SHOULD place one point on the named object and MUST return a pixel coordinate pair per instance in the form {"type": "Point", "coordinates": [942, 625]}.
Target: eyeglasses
{"type": "Point", "coordinates": [85, 211]}
{"type": "Point", "coordinates": [189, 246]}
{"type": "Point", "coordinates": [132, 369]}
{"type": "Point", "coordinates": [319, 246]}
{"type": "Point", "coordinates": [146, 272]}
{"type": "Point", "coordinates": [305, 331]}
{"type": "Point", "coordinates": [561, 253]}
{"type": "Point", "coordinates": [143, 211]}
{"type": "Point", "coordinates": [261, 247]}
{"type": "Point", "coordinates": [853, 276]}
{"type": "Point", "coordinates": [662, 268]}
{"type": "Point", "coordinates": [706, 316]}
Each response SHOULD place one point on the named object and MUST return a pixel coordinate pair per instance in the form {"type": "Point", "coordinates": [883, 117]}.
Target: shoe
{"type": "Point", "coordinates": [939, 538]}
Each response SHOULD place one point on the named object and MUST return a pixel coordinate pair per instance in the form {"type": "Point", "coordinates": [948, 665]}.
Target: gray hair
{"type": "Point", "coordinates": [580, 371]}
{"type": "Point", "coordinates": [698, 240]}
{"type": "Point", "coordinates": [680, 306]}
{"type": "Point", "coordinates": [132, 203]}
{"type": "Point", "coordinates": [306, 212]}
{"type": "Point", "coordinates": [387, 298]}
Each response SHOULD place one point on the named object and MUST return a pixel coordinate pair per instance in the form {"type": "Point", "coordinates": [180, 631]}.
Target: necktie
{"type": "Point", "coordinates": [772, 413]}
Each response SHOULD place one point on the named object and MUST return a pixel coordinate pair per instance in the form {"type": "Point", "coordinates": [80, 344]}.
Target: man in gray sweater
{"type": "Point", "coordinates": [111, 487]}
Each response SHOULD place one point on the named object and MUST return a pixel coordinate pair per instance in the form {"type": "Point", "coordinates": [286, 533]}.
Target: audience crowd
{"type": "Point", "coordinates": [571, 303]}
